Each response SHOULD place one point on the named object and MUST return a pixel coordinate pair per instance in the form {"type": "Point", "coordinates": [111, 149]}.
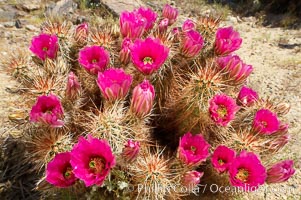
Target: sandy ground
{"type": "Point", "coordinates": [275, 54]}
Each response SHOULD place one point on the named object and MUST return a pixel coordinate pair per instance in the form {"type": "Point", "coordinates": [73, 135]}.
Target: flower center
{"type": "Point", "coordinates": [147, 60]}
{"type": "Point", "coordinates": [242, 175]}
{"type": "Point", "coordinates": [48, 109]}
{"type": "Point", "coordinates": [193, 148]}
{"type": "Point", "coordinates": [222, 111]}
{"type": "Point", "coordinates": [68, 173]}
{"type": "Point", "coordinates": [97, 164]}
{"type": "Point", "coordinates": [94, 61]}
{"type": "Point", "coordinates": [264, 124]}
{"type": "Point", "coordinates": [221, 162]}
{"type": "Point", "coordinates": [45, 49]}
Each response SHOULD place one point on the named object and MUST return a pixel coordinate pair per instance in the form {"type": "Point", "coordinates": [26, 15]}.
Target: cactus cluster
{"type": "Point", "coordinates": [145, 109]}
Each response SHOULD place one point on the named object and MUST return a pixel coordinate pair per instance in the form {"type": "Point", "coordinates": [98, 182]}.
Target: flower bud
{"type": "Point", "coordinates": [73, 87]}
{"type": "Point", "coordinates": [176, 32]}
{"type": "Point", "coordinates": [192, 179]}
{"type": "Point", "coordinates": [279, 142]}
{"type": "Point", "coordinates": [188, 25]}
{"type": "Point", "coordinates": [132, 24]}
{"type": "Point", "coordinates": [236, 69]}
{"type": "Point", "coordinates": [191, 44]}
{"type": "Point", "coordinates": [280, 172]}
{"type": "Point", "coordinates": [125, 52]}
{"type": "Point", "coordinates": [163, 25]}
{"type": "Point", "coordinates": [130, 150]}
{"type": "Point", "coordinates": [170, 13]}
{"type": "Point", "coordinates": [81, 33]}
{"type": "Point", "coordinates": [283, 108]}
{"type": "Point", "coordinates": [143, 99]}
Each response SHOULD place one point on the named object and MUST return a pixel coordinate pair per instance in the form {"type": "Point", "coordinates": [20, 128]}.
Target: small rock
{"type": "Point", "coordinates": [9, 24]}
{"type": "Point", "coordinates": [31, 27]}
{"type": "Point", "coordinates": [21, 14]}
{"type": "Point", "coordinates": [239, 19]}
{"type": "Point", "coordinates": [7, 15]}
{"type": "Point", "coordinates": [18, 24]}
{"type": "Point", "coordinates": [49, 7]}
{"type": "Point", "coordinates": [118, 6]}
{"type": "Point", "coordinates": [249, 19]}
{"type": "Point", "coordinates": [232, 19]}
{"type": "Point", "coordinates": [61, 7]}
{"type": "Point", "coordinates": [30, 7]}
{"type": "Point", "coordinates": [7, 34]}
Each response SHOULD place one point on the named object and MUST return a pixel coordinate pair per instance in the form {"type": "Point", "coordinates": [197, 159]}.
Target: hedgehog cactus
{"type": "Point", "coordinates": [98, 96]}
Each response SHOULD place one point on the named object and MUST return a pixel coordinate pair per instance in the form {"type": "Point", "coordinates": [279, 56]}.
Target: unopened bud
{"type": "Point", "coordinates": [130, 150]}
{"type": "Point", "coordinates": [73, 87]}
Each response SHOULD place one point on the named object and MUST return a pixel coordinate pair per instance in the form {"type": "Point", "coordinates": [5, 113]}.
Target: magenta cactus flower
{"type": "Point", "coordinates": [59, 171]}
{"type": "Point", "coordinates": [47, 110]}
{"type": "Point", "coordinates": [193, 149]}
{"type": "Point", "coordinates": [266, 122]}
{"type": "Point", "coordinates": [222, 158]}
{"type": "Point", "coordinates": [143, 99]}
{"type": "Point", "coordinates": [191, 179]}
{"type": "Point", "coordinates": [192, 43]}
{"type": "Point", "coordinates": [73, 86]}
{"type": "Point", "coordinates": [247, 96]}
{"type": "Point", "coordinates": [91, 160]}
{"type": "Point", "coordinates": [44, 46]}
{"type": "Point", "coordinates": [132, 24]}
{"type": "Point", "coordinates": [280, 172]}
{"type": "Point", "coordinates": [163, 25]}
{"type": "Point", "coordinates": [131, 150]}
{"type": "Point", "coordinates": [235, 67]}
{"type": "Point", "coordinates": [125, 52]}
{"type": "Point", "coordinates": [226, 41]}
{"type": "Point", "coordinates": [94, 59]}
{"type": "Point", "coordinates": [149, 15]}
{"type": "Point", "coordinates": [114, 83]}
{"type": "Point", "coordinates": [222, 109]}
{"type": "Point", "coordinates": [188, 25]}
{"type": "Point", "coordinates": [148, 55]}
{"type": "Point", "coordinates": [170, 13]}
{"type": "Point", "coordinates": [247, 172]}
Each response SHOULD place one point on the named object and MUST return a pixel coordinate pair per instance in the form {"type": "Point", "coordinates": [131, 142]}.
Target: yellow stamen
{"type": "Point", "coordinates": [97, 164]}
{"type": "Point", "coordinates": [193, 148]}
{"type": "Point", "coordinates": [222, 111]}
{"type": "Point", "coordinates": [242, 175]}
{"type": "Point", "coordinates": [147, 60]}
{"type": "Point", "coordinates": [68, 173]}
